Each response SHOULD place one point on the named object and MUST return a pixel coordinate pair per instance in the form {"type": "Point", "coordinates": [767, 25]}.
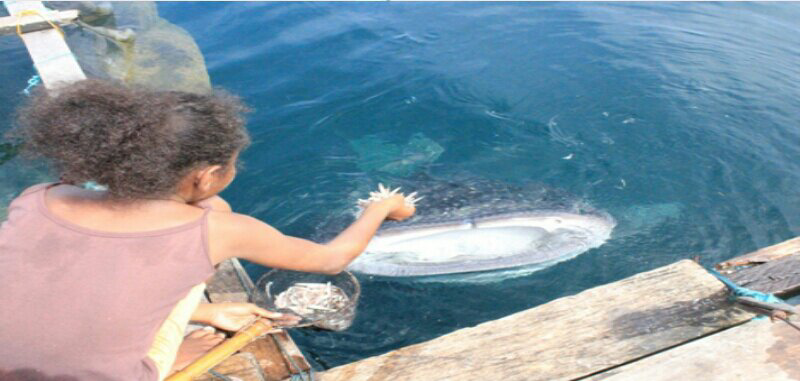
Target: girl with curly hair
{"type": "Point", "coordinates": [89, 277]}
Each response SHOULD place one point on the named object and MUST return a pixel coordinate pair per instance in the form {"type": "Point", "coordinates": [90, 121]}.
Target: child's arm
{"type": "Point", "coordinates": [237, 235]}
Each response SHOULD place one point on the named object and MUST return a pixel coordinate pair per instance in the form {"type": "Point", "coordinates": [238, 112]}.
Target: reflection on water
{"type": "Point", "coordinates": [678, 119]}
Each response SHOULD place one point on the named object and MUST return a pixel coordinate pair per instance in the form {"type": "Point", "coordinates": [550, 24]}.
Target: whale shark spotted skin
{"type": "Point", "coordinates": [479, 225]}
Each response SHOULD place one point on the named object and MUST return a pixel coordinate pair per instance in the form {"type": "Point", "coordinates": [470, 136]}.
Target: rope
{"type": "Point", "coordinates": [301, 375]}
{"type": "Point", "coordinates": [739, 291]}
{"type": "Point", "coordinates": [32, 82]}
{"type": "Point", "coordinates": [36, 80]}
{"type": "Point", "coordinates": [33, 12]}
{"type": "Point", "coordinates": [219, 375]}
{"type": "Point", "coordinates": [786, 320]}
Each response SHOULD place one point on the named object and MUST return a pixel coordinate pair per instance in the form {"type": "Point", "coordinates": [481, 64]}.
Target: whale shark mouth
{"type": "Point", "coordinates": [486, 243]}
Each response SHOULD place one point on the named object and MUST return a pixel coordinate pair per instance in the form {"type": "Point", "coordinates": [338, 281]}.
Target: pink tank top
{"type": "Point", "coordinates": [76, 302]}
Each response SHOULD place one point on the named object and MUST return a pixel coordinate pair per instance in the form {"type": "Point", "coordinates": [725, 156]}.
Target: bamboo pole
{"type": "Point", "coordinates": [222, 351]}
{"type": "Point", "coordinates": [48, 49]}
{"type": "Point", "coordinates": [35, 22]}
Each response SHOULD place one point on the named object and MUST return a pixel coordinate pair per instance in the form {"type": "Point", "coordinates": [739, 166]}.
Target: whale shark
{"type": "Point", "coordinates": [471, 225]}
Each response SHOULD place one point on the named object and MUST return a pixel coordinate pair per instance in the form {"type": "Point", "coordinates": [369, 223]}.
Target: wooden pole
{"type": "Point", "coordinates": [33, 22]}
{"type": "Point", "coordinates": [48, 49]}
{"type": "Point", "coordinates": [222, 351]}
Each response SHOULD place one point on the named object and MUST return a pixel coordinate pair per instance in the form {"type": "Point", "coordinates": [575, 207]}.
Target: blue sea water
{"type": "Point", "coordinates": [679, 119]}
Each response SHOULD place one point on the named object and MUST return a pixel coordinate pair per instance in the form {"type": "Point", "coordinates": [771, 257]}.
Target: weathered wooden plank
{"type": "Point", "coordinates": [274, 362]}
{"type": "Point", "coordinates": [232, 284]}
{"type": "Point", "coordinates": [241, 366]}
{"type": "Point", "coordinates": [767, 254]}
{"type": "Point", "coordinates": [295, 359]}
{"type": "Point", "coordinates": [226, 285]}
{"type": "Point", "coordinates": [570, 337]}
{"type": "Point", "coordinates": [247, 282]}
{"type": "Point", "coordinates": [780, 276]}
{"type": "Point", "coordinates": [774, 269]}
{"type": "Point", "coordinates": [48, 49]}
{"type": "Point", "coordinates": [756, 350]}
{"type": "Point", "coordinates": [32, 23]}
{"type": "Point", "coordinates": [269, 358]}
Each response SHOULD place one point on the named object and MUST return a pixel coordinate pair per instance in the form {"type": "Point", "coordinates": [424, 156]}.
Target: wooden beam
{"type": "Point", "coordinates": [568, 338]}
{"type": "Point", "coordinates": [767, 254]}
{"type": "Point", "coordinates": [774, 269]}
{"type": "Point", "coordinates": [757, 350]}
{"type": "Point", "coordinates": [275, 352]}
{"type": "Point", "coordinates": [48, 49]}
{"type": "Point", "coordinates": [33, 23]}
{"type": "Point", "coordinates": [226, 285]}
{"type": "Point", "coordinates": [781, 276]}
{"type": "Point", "coordinates": [241, 366]}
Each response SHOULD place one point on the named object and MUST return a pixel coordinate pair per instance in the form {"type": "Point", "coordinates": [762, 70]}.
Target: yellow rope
{"type": "Point", "coordinates": [33, 12]}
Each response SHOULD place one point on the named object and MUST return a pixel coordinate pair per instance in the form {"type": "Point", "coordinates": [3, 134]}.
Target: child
{"type": "Point", "coordinates": [88, 277]}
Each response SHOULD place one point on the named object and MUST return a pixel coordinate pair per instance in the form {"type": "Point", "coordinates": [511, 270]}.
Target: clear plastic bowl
{"type": "Point", "coordinates": [275, 282]}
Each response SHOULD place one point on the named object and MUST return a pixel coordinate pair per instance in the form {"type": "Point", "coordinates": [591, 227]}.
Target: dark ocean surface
{"type": "Point", "coordinates": [680, 120]}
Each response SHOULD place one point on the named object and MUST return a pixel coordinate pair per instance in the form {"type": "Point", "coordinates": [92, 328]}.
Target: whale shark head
{"type": "Point", "coordinates": [473, 225]}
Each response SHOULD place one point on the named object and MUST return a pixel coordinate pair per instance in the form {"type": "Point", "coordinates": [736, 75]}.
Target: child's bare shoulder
{"type": "Point", "coordinates": [229, 233]}
{"type": "Point", "coordinates": [215, 203]}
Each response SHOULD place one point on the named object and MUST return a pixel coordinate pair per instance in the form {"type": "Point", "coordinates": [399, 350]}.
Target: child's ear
{"type": "Point", "coordinates": [206, 177]}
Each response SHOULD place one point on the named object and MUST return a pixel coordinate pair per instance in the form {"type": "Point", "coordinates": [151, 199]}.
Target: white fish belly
{"type": "Point", "coordinates": [470, 244]}
{"type": "Point", "coordinates": [485, 244]}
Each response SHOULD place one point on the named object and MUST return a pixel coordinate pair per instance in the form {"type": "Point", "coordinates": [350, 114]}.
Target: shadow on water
{"type": "Point", "coordinates": [7, 152]}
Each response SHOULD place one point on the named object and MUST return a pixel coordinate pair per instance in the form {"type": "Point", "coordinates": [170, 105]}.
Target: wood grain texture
{"type": "Point", "coordinates": [756, 350]}
{"type": "Point", "coordinates": [230, 284]}
{"type": "Point", "coordinates": [780, 276]}
{"type": "Point", "coordinates": [32, 23]}
{"type": "Point", "coordinates": [570, 337]}
{"type": "Point", "coordinates": [226, 285]}
{"type": "Point", "coordinates": [274, 362]}
{"type": "Point", "coordinates": [48, 49]}
{"type": "Point", "coordinates": [241, 366]}
{"type": "Point", "coordinates": [269, 358]}
{"type": "Point", "coordinates": [767, 254]}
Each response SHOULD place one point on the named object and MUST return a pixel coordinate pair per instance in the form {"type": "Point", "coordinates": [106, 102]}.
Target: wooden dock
{"type": "Point", "coordinates": [756, 350]}
{"type": "Point", "coordinates": [774, 269]}
{"type": "Point", "coordinates": [675, 322]}
{"type": "Point", "coordinates": [274, 357]}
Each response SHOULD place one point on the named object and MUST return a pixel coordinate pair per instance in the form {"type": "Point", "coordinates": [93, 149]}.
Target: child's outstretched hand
{"type": "Point", "coordinates": [235, 316]}
{"type": "Point", "coordinates": [399, 209]}
{"type": "Point", "coordinates": [400, 206]}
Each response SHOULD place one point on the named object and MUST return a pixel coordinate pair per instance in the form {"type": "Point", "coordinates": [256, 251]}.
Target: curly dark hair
{"type": "Point", "coordinates": [139, 143]}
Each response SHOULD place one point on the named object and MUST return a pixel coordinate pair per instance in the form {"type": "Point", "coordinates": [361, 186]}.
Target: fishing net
{"type": "Point", "coordinates": [323, 301]}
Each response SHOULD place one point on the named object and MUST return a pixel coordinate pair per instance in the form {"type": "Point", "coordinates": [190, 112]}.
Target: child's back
{"type": "Point", "coordinates": [88, 277]}
{"type": "Point", "coordinates": [79, 300]}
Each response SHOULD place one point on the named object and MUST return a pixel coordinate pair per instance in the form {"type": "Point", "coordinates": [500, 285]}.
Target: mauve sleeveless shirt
{"type": "Point", "coordinates": [85, 304]}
